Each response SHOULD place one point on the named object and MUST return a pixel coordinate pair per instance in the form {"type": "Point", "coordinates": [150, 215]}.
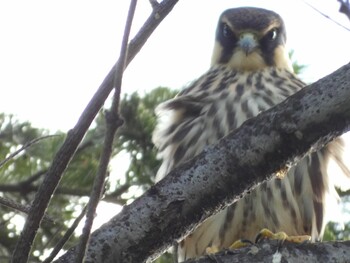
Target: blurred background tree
{"type": "Point", "coordinates": [21, 176]}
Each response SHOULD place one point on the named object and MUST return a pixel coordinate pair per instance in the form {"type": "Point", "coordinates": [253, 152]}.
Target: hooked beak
{"type": "Point", "coordinates": [247, 42]}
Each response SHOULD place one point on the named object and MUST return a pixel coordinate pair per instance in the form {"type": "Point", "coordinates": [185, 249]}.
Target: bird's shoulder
{"type": "Point", "coordinates": [221, 83]}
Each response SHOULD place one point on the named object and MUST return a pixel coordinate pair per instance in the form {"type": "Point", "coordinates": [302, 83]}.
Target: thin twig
{"type": "Point", "coordinates": [113, 123]}
{"type": "Point", "coordinates": [65, 237]}
{"type": "Point", "coordinates": [154, 3]}
{"type": "Point", "coordinates": [326, 16]}
{"type": "Point", "coordinates": [75, 136]}
{"type": "Point", "coordinates": [25, 146]}
{"type": "Point", "coordinates": [27, 186]}
{"type": "Point", "coordinates": [31, 179]}
{"type": "Point", "coordinates": [345, 7]}
{"type": "Point", "coordinates": [23, 208]}
{"type": "Point", "coordinates": [23, 189]}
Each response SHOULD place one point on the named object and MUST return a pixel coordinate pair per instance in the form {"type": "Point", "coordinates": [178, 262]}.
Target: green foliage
{"type": "Point", "coordinates": [135, 136]}
{"type": "Point", "coordinates": [335, 231]}
{"type": "Point", "coordinates": [298, 68]}
{"type": "Point", "coordinates": [165, 258]}
{"type": "Point", "coordinates": [22, 175]}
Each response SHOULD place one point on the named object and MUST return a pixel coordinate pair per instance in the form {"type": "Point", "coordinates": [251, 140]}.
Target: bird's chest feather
{"type": "Point", "coordinates": [215, 104]}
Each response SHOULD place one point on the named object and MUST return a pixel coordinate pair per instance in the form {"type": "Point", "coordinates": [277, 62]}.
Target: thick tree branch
{"type": "Point", "coordinates": [224, 172]}
{"type": "Point", "coordinates": [273, 251]}
{"type": "Point", "coordinates": [75, 136]}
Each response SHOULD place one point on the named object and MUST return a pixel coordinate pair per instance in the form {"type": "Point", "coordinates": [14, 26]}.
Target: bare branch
{"type": "Point", "coordinates": [113, 197]}
{"type": "Point", "coordinates": [345, 7]}
{"type": "Point", "coordinates": [31, 179]}
{"type": "Point", "coordinates": [27, 186]}
{"type": "Point", "coordinates": [23, 208]}
{"type": "Point", "coordinates": [25, 146]}
{"type": "Point", "coordinates": [65, 237]}
{"type": "Point", "coordinates": [224, 172]}
{"type": "Point", "coordinates": [154, 3]}
{"type": "Point", "coordinates": [327, 16]}
{"type": "Point", "coordinates": [113, 123]}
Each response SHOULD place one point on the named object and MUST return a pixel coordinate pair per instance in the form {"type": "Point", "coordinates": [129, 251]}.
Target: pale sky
{"type": "Point", "coordinates": [55, 54]}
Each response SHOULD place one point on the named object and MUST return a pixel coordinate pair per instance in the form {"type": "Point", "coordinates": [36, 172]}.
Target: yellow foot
{"type": "Point", "coordinates": [241, 243]}
{"type": "Point", "coordinates": [264, 233]}
{"type": "Point", "coordinates": [212, 250]}
{"type": "Point", "coordinates": [282, 236]}
{"type": "Point", "coordinates": [238, 244]}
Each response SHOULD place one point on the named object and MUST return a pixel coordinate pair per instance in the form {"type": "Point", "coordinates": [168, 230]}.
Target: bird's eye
{"type": "Point", "coordinates": [272, 34]}
{"type": "Point", "coordinates": [226, 31]}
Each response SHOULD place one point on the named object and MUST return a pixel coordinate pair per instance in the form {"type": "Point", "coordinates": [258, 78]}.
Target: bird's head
{"type": "Point", "coordinates": [250, 39]}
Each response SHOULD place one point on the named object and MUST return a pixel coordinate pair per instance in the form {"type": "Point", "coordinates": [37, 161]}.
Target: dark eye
{"type": "Point", "coordinates": [226, 31]}
{"type": "Point", "coordinates": [272, 34]}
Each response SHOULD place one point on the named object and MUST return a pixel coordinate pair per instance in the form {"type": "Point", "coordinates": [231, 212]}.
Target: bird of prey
{"type": "Point", "coordinates": [250, 72]}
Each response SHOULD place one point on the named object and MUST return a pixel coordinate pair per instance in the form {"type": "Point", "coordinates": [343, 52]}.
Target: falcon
{"type": "Point", "coordinates": [250, 72]}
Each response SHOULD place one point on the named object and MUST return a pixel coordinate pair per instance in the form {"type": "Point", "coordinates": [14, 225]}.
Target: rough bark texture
{"type": "Point", "coordinates": [221, 174]}
{"type": "Point", "coordinates": [273, 251]}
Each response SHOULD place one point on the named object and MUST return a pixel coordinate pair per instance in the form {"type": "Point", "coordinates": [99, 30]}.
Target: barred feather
{"type": "Point", "coordinates": [217, 103]}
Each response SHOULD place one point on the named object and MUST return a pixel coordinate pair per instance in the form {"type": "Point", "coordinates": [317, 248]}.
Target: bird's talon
{"type": "Point", "coordinates": [281, 236]}
{"type": "Point", "coordinates": [299, 239]}
{"type": "Point", "coordinates": [241, 243]}
{"type": "Point", "coordinates": [212, 250]}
